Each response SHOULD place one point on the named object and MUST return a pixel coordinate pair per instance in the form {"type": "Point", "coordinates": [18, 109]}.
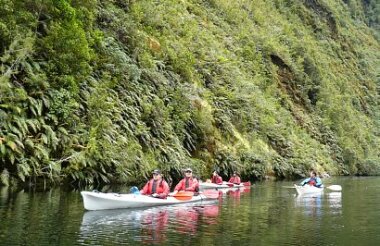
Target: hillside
{"type": "Point", "coordinates": [105, 91]}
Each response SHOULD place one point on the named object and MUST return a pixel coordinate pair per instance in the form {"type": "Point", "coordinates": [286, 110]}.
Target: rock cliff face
{"type": "Point", "coordinates": [106, 91]}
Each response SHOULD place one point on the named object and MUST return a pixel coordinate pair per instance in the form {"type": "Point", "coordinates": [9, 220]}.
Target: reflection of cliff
{"type": "Point", "coordinates": [147, 225]}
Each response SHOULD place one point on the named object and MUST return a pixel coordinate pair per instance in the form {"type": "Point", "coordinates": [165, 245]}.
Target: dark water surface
{"type": "Point", "coordinates": [267, 214]}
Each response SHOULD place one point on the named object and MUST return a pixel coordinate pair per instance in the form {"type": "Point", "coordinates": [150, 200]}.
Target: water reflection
{"type": "Point", "coordinates": [268, 215]}
{"type": "Point", "coordinates": [153, 226]}
{"type": "Point", "coordinates": [314, 204]}
{"type": "Point", "coordinates": [232, 191]}
{"type": "Point", "coordinates": [235, 195]}
{"type": "Point", "coordinates": [311, 203]}
{"type": "Point", "coordinates": [335, 202]}
{"type": "Point", "coordinates": [147, 225]}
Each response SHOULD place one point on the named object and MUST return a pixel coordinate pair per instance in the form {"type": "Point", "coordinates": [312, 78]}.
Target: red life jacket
{"type": "Point", "coordinates": [234, 180]}
{"type": "Point", "coordinates": [312, 182]}
{"type": "Point", "coordinates": [162, 188]}
{"type": "Point", "coordinates": [193, 185]}
{"type": "Point", "coordinates": [216, 179]}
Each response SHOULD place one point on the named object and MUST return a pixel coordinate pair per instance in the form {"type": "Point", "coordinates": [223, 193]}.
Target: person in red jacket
{"type": "Point", "coordinates": [189, 183]}
{"type": "Point", "coordinates": [156, 187]}
{"type": "Point", "coordinates": [235, 179]}
{"type": "Point", "coordinates": [216, 179]}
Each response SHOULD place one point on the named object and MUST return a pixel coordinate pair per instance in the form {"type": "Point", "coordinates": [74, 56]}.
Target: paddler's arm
{"type": "Point", "coordinates": [304, 181]}
{"type": "Point", "coordinates": [144, 190]}
{"type": "Point", "coordinates": [319, 182]}
{"type": "Point", "coordinates": [165, 192]}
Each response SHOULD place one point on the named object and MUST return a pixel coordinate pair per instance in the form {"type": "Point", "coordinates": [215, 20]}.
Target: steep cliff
{"type": "Point", "coordinates": [105, 91]}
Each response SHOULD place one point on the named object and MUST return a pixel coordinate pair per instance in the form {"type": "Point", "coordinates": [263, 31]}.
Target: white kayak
{"type": "Point", "coordinates": [99, 201]}
{"type": "Point", "coordinates": [213, 186]}
{"type": "Point", "coordinates": [223, 185]}
{"type": "Point", "coordinates": [308, 189]}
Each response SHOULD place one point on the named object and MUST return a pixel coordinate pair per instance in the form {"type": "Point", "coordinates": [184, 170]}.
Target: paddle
{"type": "Point", "coordinates": [184, 195]}
{"type": "Point", "coordinates": [334, 187]}
{"type": "Point", "coordinates": [289, 187]}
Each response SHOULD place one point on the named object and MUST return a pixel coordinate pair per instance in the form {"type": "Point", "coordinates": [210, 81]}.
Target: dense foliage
{"type": "Point", "coordinates": [105, 91]}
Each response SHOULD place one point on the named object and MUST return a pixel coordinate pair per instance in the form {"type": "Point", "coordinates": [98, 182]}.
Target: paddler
{"type": "Point", "coordinates": [157, 186]}
{"type": "Point", "coordinates": [313, 180]}
{"type": "Point", "coordinates": [235, 179]}
{"type": "Point", "coordinates": [188, 183]}
{"type": "Point", "coordinates": [216, 179]}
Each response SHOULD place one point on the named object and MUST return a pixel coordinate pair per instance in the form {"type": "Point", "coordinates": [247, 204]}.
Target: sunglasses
{"type": "Point", "coordinates": [188, 172]}
{"type": "Point", "coordinates": [155, 174]}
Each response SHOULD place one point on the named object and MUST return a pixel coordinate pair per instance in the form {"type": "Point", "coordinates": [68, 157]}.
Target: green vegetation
{"type": "Point", "coordinates": [105, 91]}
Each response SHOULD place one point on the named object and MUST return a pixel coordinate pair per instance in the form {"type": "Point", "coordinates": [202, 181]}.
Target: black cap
{"type": "Point", "coordinates": [156, 171]}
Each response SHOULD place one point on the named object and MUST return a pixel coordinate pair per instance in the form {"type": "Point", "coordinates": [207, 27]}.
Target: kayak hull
{"type": "Point", "coordinates": [224, 185]}
{"type": "Point", "coordinates": [101, 201]}
{"type": "Point", "coordinates": [213, 186]}
{"type": "Point", "coordinates": [307, 189]}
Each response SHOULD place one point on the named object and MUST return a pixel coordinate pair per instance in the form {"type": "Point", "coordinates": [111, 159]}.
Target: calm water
{"type": "Point", "coordinates": [267, 214]}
